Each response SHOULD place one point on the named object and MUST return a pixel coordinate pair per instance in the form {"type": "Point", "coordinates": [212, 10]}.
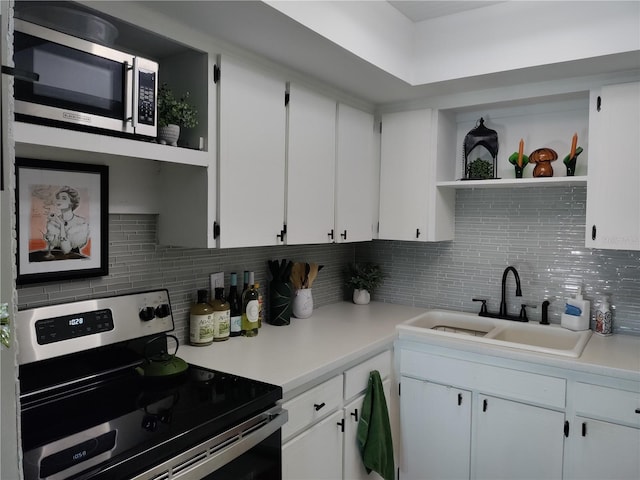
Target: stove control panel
{"type": "Point", "coordinates": [56, 330]}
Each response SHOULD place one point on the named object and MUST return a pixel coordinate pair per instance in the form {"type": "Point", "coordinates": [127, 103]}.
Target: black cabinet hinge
{"type": "Point", "coordinates": [287, 97]}
{"type": "Point", "coordinates": [216, 74]}
{"type": "Point", "coordinates": [566, 428]}
{"type": "Point", "coordinates": [216, 230]}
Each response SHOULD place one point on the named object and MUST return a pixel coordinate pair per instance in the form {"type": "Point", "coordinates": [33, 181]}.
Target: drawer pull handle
{"type": "Point", "coordinates": [637, 410]}
{"type": "Point", "coordinates": [341, 425]}
{"type": "Point", "coordinates": [584, 429]}
{"type": "Point", "coordinates": [484, 405]}
{"type": "Point", "coordinates": [318, 406]}
{"type": "Point", "coordinates": [354, 414]}
{"type": "Point", "coordinates": [459, 399]}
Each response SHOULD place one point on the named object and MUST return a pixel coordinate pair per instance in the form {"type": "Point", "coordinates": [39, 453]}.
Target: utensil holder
{"type": "Point", "coordinates": [280, 303]}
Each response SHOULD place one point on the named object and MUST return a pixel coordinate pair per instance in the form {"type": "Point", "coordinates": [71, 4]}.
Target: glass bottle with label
{"type": "Point", "coordinates": [221, 316]}
{"type": "Point", "coordinates": [201, 321]}
{"type": "Point", "coordinates": [236, 306]}
{"type": "Point", "coordinates": [250, 309]}
{"type": "Point", "coordinates": [260, 304]}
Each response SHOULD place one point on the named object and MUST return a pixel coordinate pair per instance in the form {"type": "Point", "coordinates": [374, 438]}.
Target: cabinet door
{"type": "Point", "coordinates": [251, 156]}
{"type": "Point", "coordinates": [517, 441]}
{"type": "Point", "coordinates": [353, 468]}
{"type": "Point", "coordinates": [613, 197]}
{"type": "Point", "coordinates": [316, 453]}
{"type": "Point", "coordinates": [355, 183]}
{"type": "Point", "coordinates": [435, 428]}
{"type": "Point", "coordinates": [311, 155]}
{"type": "Point", "coordinates": [404, 171]}
{"type": "Point", "coordinates": [605, 450]}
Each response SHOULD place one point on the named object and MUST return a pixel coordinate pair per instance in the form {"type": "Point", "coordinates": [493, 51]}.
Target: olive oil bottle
{"type": "Point", "coordinates": [201, 321]}
{"type": "Point", "coordinates": [221, 316]}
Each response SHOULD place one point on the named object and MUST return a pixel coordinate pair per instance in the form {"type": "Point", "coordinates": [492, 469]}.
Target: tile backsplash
{"type": "Point", "coordinates": [540, 231]}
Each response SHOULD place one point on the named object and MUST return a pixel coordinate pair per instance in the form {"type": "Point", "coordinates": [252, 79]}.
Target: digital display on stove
{"type": "Point", "coordinates": [57, 329]}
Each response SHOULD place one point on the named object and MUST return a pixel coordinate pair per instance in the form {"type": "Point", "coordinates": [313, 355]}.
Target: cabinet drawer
{"type": "Point", "coordinates": [312, 405]}
{"type": "Point", "coordinates": [608, 403]}
{"type": "Point", "coordinates": [503, 382]}
{"type": "Point", "coordinates": [356, 378]}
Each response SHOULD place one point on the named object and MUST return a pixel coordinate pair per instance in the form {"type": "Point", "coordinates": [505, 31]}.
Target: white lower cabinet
{"type": "Point", "coordinates": [452, 426]}
{"type": "Point", "coordinates": [516, 441]}
{"type": "Point", "coordinates": [316, 453]}
{"type": "Point", "coordinates": [435, 420]}
{"type": "Point", "coordinates": [472, 416]}
{"type": "Point", "coordinates": [319, 440]}
{"type": "Point", "coordinates": [605, 434]}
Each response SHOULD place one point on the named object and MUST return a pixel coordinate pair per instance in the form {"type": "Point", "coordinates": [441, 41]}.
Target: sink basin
{"type": "Point", "coordinates": [530, 336]}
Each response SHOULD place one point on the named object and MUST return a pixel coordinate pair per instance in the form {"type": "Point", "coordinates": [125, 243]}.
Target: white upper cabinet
{"type": "Point", "coordinates": [251, 155]}
{"type": "Point", "coordinates": [311, 158]}
{"type": "Point", "coordinates": [613, 196]}
{"type": "Point", "coordinates": [356, 187]}
{"type": "Point", "coordinates": [404, 174]}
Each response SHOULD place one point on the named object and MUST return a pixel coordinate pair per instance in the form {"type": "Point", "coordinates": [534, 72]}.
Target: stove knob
{"type": "Point", "coordinates": [146, 314]}
{"type": "Point", "coordinates": [150, 423]}
{"type": "Point", "coordinates": [163, 310]}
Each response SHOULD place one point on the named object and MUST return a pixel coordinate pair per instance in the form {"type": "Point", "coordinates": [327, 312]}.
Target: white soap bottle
{"type": "Point", "coordinates": [577, 313]}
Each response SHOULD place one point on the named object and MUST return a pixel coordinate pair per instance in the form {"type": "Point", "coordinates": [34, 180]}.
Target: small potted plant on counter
{"type": "Point", "coordinates": [173, 114]}
{"type": "Point", "coordinates": [363, 279]}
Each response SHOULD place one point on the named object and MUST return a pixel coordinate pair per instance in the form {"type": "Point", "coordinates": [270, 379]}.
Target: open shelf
{"type": "Point", "coordinates": [62, 144]}
{"type": "Point", "coordinates": [515, 182]}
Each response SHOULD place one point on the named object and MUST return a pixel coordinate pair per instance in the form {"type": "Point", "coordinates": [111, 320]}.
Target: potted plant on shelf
{"type": "Point", "coordinates": [173, 114]}
{"type": "Point", "coordinates": [363, 279]}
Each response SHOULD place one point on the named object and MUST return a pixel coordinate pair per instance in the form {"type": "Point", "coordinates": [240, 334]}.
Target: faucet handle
{"type": "Point", "coordinates": [483, 308]}
{"type": "Point", "coordinates": [523, 311]}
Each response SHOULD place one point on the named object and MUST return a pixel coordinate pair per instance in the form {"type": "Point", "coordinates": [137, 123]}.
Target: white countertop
{"type": "Point", "coordinates": [337, 336]}
{"type": "Point", "coordinates": [308, 350]}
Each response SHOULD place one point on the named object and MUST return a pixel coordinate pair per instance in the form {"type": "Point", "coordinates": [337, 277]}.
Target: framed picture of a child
{"type": "Point", "coordinates": [62, 220]}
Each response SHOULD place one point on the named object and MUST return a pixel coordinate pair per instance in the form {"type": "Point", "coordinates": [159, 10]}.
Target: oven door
{"type": "Point", "coordinates": [249, 451]}
{"type": "Point", "coordinates": [74, 81]}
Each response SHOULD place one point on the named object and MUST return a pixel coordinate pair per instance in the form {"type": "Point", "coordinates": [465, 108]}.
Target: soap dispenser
{"type": "Point", "coordinates": [576, 313]}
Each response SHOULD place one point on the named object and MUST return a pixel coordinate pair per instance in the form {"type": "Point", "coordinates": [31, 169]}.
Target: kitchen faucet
{"type": "Point", "coordinates": [503, 301]}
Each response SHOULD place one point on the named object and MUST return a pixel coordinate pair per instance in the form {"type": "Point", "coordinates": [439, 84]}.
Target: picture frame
{"type": "Point", "coordinates": [62, 220]}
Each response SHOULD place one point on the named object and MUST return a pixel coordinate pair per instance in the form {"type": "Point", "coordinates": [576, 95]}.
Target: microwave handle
{"type": "Point", "coordinates": [130, 92]}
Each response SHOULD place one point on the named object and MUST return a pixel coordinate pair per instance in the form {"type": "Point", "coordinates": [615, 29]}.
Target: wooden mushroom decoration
{"type": "Point", "coordinates": [543, 157]}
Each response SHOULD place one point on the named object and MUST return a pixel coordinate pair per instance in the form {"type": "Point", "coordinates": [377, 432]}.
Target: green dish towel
{"type": "Point", "coordinates": [374, 430]}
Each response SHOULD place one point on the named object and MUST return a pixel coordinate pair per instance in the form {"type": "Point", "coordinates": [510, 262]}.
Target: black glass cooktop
{"type": "Point", "coordinates": [137, 419]}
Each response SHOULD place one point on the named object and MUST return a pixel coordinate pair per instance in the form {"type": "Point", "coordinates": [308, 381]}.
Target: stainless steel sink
{"type": "Point", "coordinates": [531, 336]}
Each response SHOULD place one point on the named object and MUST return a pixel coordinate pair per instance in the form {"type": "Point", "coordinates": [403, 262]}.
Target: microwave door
{"type": "Point", "coordinates": [79, 82]}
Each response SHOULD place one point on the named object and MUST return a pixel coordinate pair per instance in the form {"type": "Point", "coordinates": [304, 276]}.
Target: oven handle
{"type": "Point", "coordinates": [209, 456]}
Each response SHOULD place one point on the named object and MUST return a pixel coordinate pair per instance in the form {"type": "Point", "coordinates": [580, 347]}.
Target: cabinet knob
{"type": "Point", "coordinates": [318, 406]}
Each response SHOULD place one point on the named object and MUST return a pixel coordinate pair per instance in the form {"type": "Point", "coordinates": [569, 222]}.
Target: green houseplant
{"type": "Point", "coordinates": [363, 279]}
{"type": "Point", "coordinates": [174, 113]}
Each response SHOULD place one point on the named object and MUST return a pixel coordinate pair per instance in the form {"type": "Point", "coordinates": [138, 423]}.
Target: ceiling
{"type": "Point", "coordinates": [257, 27]}
{"type": "Point", "coordinates": [417, 11]}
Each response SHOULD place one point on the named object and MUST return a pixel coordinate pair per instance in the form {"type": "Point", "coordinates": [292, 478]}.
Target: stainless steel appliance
{"type": "Point", "coordinates": [88, 413]}
{"type": "Point", "coordinates": [68, 80]}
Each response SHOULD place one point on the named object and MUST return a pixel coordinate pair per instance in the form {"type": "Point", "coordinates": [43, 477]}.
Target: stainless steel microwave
{"type": "Point", "coordinates": [75, 82]}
